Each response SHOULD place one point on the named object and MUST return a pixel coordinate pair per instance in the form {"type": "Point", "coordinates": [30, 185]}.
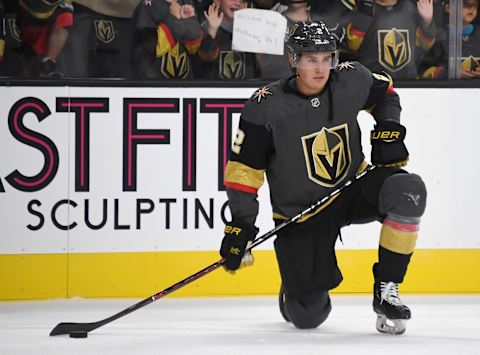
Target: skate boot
{"type": "Point", "coordinates": [392, 314]}
{"type": "Point", "coordinates": [281, 304]}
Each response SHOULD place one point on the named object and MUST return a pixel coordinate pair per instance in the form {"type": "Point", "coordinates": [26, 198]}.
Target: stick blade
{"type": "Point", "coordinates": [67, 328]}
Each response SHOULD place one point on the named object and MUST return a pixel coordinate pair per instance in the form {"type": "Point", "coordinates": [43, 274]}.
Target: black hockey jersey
{"type": "Point", "coordinates": [435, 64]}
{"type": "Point", "coordinates": [390, 40]}
{"type": "Point", "coordinates": [219, 61]}
{"type": "Point", "coordinates": [163, 44]}
{"type": "Point", "coordinates": [306, 146]}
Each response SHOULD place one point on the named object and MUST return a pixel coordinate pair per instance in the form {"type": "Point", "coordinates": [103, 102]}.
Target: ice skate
{"type": "Point", "coordinates": [392, 314]}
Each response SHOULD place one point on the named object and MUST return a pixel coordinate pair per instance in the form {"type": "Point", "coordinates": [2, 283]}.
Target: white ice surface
{"type": "Point", "coordinates": [250, 325]}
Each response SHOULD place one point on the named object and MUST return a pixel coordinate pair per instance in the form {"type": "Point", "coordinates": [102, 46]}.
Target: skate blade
{"type": "Point", "coordinates": [391, 326]}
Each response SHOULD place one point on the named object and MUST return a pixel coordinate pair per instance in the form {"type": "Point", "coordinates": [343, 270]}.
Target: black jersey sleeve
{"type": "Point", "coordinates": [382, 101]}
{"type": "Point", "coordinates": [249, 158]}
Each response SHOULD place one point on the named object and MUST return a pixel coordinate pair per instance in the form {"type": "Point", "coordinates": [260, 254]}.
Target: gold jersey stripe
{"type": "Point", "coordinates": [2, 47]}
{"type": "Point", "coordinates": [398, 241]}
{"type": "Point", "coordinates": [242, 174]}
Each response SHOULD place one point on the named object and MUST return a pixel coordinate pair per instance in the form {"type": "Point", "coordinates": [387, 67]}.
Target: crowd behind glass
{"type": "Point", "coordinates": [191, 39]}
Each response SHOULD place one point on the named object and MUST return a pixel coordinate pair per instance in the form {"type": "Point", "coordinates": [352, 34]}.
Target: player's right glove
{"type": "Point", "coordinates": [366, 7]}
{"type": "Point", "coordinates": [388, 148]}
{"type": "Point", "coordinates": [238, 235]}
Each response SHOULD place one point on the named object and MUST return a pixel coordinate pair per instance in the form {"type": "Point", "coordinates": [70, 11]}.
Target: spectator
{"type": "Point", "coordinates": [277, 66]}
{"type": "Point", "coordinates": [218, 60]}
{"type": "Point", "coordinates": [435, 65]}
{"type": "Point", "coordinates": [44, 30]}
{"type": "Point", "coordinates": [10, 41]}
{"type": "Point", "coordinates": [102, 35]}
{"type": "Point", "coordinates": [167, 33]}
{"type": "Point", "coordinates": [390, 35]}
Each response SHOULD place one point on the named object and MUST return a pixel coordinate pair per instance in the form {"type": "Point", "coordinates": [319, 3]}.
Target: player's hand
{"type": "Point", "coordinates": [238, 235]}
{"type": "Point", "coordinates": [388, 148]}
{"type": "Point", "coordinates": [187, 11]}
{"type": "Point", "coordinates": [425, 9]}
{"type": "Point", "coordinates": [214, 18]}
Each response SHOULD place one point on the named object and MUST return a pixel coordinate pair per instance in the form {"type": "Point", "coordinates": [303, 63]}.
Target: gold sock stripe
{"type": "Point", "coordinates": [398, 241]}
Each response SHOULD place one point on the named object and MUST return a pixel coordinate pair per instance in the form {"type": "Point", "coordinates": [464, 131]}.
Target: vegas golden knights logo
{"type": "Point", "coordinates": [232, 65]}
{"type": "Point", "coordinates": [394, 51]}
{"type": "Point", "coordinates": [104, 30]}
{"type": "Point", "coordinates": [175, 63]}
{"type": "Point", "coordinates": [14, 30]}
{"type": "Point", "coordinates": [470, 63]}
{"type": "Point", "coordinates": [327, 155]}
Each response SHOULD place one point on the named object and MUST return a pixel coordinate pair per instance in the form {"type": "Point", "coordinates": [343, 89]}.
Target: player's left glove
{"type": "Point", "coordinates": [388, 148]}
{"type": "Point", "coordinates": [238, 236]}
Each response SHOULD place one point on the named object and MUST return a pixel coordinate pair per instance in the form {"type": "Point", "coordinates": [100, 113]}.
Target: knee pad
{"type": "Point", "coordinates": [404, 195]}
{"type": "Point", "coordinates": [310, 311]}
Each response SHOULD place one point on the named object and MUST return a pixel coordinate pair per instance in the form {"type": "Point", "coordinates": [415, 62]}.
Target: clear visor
{"type": "Point", "coordinates": [311, 60]}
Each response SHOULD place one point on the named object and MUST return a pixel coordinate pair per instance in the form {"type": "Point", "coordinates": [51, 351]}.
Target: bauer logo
{"type": "Point", "coordinates": [327, 155]}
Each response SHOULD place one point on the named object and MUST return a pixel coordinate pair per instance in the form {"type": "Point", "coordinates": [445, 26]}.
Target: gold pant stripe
{"type": "Point", "coordinates": [309, 215]}
{"type": "Point", "coordinates": [239, 173]}
{"type": "Point", "coordinates": [398, 241]}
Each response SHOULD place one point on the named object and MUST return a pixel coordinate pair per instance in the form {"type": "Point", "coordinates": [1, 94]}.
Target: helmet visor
{"type": "Point", "coordinates": [312, 60]}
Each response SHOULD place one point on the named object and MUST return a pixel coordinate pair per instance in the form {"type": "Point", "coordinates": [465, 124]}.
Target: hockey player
{"type": "Point", "coordinates": [302, 132]}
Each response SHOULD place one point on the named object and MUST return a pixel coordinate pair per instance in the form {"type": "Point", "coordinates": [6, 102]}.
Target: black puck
{"type": "Point", "coordinates": [79, 334]}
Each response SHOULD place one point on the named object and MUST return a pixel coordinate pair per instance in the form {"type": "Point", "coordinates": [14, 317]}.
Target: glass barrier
{"type": "Point", "coordinates": [192, 39]}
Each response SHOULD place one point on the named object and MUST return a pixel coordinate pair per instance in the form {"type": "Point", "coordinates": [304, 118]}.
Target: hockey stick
{"type": "Point", "coordinates": [84, 328]}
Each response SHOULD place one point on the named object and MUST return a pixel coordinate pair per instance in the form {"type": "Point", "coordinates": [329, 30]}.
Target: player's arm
{"type": "Point", "coordinates": [387, 138]}
{"type": "Point", "coordinates": [362, 17]}
{"type": "Point", "coordinates": [244, 175]}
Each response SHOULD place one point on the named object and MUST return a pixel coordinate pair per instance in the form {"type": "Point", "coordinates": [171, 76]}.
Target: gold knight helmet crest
{"type": "Point", "coordinates": [327, 155]}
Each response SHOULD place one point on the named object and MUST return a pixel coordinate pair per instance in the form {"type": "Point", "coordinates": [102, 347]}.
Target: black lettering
{"type": "Point", "coordinates": [38, 214]}
{"type": "Point", "coordinates": [104, 215]}
{"type": "Point", "coordinates": [117, 224]}
{"type": "Point", "coordinates": [207, 217]}
{"type": "Point", "coordinates": [141, 210]}
{"type": "Point", "coordinates": [167, 202]}
{"type": "Point", "coordinates": [54, 214]}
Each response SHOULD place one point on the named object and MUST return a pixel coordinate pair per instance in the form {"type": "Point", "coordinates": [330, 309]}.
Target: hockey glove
{"type": "Point", "coordinates": [238, 235]}
{"type": "Point", "coordinates": [388, 148]}
{"type": "Point", "coordinates": [366, 7]}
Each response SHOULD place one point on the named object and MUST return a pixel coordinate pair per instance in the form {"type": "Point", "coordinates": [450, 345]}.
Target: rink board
{"type": "Point", "coordinates": [144, 274]}
{"type": "Point", "coordinates": [118, 192]}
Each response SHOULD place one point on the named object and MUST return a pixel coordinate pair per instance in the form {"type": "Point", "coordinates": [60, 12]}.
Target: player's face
{"type": "Point", "coordinates": [313, 71]}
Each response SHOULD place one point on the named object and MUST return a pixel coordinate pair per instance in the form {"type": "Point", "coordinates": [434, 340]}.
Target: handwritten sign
{"type": "Point", "coordinates": [259, 31]}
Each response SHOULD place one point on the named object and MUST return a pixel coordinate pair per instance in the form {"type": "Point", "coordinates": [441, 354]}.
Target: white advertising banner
{"type": "Point", "coordinates": [141, 169]}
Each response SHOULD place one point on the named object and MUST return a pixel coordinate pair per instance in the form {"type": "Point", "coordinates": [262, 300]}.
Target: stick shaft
{"type": "Point", "coordinates": [66, 328]}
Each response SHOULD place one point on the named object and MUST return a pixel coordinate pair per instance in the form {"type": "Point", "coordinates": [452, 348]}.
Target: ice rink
{"type": "Point", "coordinates": [249, 325]}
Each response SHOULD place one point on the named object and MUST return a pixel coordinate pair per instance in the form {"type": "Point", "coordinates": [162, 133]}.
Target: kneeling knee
{"type": "Point", "coordinates": [309, 313]}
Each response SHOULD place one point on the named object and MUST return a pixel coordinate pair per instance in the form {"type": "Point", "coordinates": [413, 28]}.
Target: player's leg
{"type": "Point", "coordinates": [398, 200]}
{"type": "Point", "coordinates": [402, 201]}
{"type": "Point", "coordinates": [308, 268]}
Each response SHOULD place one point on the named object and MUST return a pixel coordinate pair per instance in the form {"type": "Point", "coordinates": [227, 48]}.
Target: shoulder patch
{"type": "Point", "coordinates": [261, 93]}
{"type": "Point", "coordinates": [346, 66]}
